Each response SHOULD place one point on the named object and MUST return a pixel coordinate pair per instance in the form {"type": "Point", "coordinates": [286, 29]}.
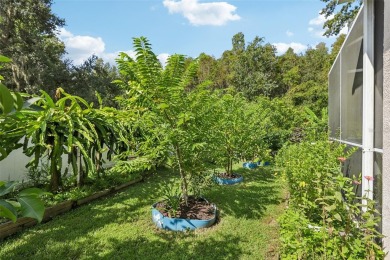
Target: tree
{"type": "Point", "coordinates": [93, 76]}
{"type": "Point", "coordinates": [336, 46]}
{"type": "Point", "coordinates": [290, 68]}
{"type": "Point", "coordinates": [230, 135]}
{"type": "Point", "coordinates": [337, 19]}
{"type": "Point", "coordinates": [255, 69]}
{"type": "Point", "coordinates": [28, 37]}
{"type": "Point", "coordinates": [173, 117]}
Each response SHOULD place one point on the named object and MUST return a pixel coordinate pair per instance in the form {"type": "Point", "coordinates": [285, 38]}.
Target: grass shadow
{"type": "Point", "coordinates": [250, 198]}
{"type": "Point", "coordinates": [120, 226]}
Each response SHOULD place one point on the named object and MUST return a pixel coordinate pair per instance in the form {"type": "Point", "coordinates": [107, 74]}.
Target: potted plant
{"type": "Point", "coordinates": [230, 137]}
{"type": "Point", "coordinates": [171, 119]}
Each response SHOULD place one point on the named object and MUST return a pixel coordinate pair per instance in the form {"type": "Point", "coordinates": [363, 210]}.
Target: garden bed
{"type": "Point", "coordinates": [10, 228]}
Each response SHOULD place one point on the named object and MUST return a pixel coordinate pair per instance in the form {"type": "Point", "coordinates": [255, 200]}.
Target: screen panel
{"type": "Point", "coordinates": [352, 84]}
{"type": "Point", "coordinates": [334, 100]}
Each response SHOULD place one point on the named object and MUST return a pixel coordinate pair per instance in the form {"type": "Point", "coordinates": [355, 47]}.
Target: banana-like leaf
{"type": "Point", "coordinates": [7, 188]}
{"type": "Point", "coordinates": [7, 211]}
{"type": "Point", "coordinates": [33, 192]}
{"type": "Point", "coordinates": [6, 100]}
{"type": "Point", "coordinates": [32, 207]}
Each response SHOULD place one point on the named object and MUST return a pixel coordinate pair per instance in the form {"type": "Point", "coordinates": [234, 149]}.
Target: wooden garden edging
{"type": "Point", "coordinates": [9, 228]}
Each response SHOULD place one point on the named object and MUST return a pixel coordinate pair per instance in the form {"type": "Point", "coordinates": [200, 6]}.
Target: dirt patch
{"type": "Point", "coordinates": [197, 208]}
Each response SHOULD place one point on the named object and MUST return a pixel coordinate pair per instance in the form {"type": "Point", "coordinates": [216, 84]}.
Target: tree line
{"type": "Point", "coordinates": [28, 35]}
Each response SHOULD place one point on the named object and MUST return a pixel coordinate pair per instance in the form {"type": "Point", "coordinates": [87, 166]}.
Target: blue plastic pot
{"type": "Point", "coordinates": [229, 181]}
{"type": "Point", "coordinates": [250, 165]}
{"type": "Point", "coordinates": [263, 163]}
{"type": "Point", "coordinates": [180, 224]}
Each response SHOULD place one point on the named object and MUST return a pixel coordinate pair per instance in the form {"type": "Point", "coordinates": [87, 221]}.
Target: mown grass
{"type": "Point", "coordinates": [120, 226]}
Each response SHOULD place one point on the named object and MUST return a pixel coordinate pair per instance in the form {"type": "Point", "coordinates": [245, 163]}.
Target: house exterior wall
{"type": "Point", "coordinates": [386, 128]}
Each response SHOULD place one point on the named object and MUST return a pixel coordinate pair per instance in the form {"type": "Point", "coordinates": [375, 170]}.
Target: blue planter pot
{"type": "Point", "coordinates": [250, 165]}
{"type": "Point", "coordinates": [262, 163]}
{"type": "Point", "coordinates": [180, 224]}
{"type": "Point", "coordinates": [229, 181]}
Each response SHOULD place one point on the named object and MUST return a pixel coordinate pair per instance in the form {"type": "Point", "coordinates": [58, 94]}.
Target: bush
{"type": "Point", "coordinates": [326, 219]}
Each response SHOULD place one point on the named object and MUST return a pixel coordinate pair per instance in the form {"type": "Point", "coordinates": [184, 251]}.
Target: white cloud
{"type": "Point", "coordinates": [319, 20]}
{"type": "Point", "coordinates": [81, 47]}
{"type": "Point", "coordinates": [289, 34]}
{"type": "Point", "coordinates": [283, 47]}
{"type": "Point", "coordinates": [214, 13]}
{"type": "Point", "coordinates": [163, 58]}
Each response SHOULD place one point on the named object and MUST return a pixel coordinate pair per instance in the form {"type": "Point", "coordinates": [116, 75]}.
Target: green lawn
{"type": "Point", "coordinates": [120, 226]}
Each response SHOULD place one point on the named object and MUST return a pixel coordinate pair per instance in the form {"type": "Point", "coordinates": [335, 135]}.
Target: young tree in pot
{"type": "Point", "coordinates": [254, 147]}
{"type": "Point", "coordinates": [165, 109]}
{"type": "Point", "coordinates": [231, 133]}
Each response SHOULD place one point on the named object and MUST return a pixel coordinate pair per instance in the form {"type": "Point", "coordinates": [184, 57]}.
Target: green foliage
{"type": "Point", "coordinates": [26, 203]}
{"type": "Point", "coordinates": [28, 36]}
{"type": "Point", "coordinates": [229, 135]}
{"type": "Point", "coordinates": [326, 218]}
{"type": "Point", "coordinates": [93, 76]}
{"type": "Point", "coordinates": [171, 198]}
{"type": "Point", "coordinates": [139, 164]}
{"type": "Point", "coordinates": [170, 119]}
{"type": "Point", "coordinates": [255, 68]}
{"type": "Point", "coordinates": [339, 17]}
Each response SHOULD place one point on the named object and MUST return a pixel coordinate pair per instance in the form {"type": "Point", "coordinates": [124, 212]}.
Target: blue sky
{"type": "Point", "coordinates": [190, 27]}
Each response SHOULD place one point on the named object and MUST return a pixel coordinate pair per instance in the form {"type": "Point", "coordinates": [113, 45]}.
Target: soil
{"type": "Point", "coordinates": [224, 175]}
{"type": "Point", "coordinates": [197, 208]}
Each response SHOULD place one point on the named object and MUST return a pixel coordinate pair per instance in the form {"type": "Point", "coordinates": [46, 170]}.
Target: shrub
{"type": "Point", "coordinates": [326, 219]}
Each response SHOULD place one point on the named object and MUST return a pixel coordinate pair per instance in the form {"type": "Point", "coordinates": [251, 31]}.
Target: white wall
{"type": "Point", "coordinates": [13, 168]}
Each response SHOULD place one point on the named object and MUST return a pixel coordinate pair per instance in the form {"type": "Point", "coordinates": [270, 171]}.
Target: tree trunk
{"type": "Point", "coordinates": [55, 179]}
{"type": "Point", "coordinates": [80, 176]}
{"type": "Point", "coordinates": [98, 157]}
{"type": "Point", "coordinates": [184, 185]}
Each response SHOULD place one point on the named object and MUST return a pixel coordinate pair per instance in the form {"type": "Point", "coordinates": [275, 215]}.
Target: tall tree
{"type": "Point", "coordinates": [339, 17]}
{"type": "Point", "coordinates": [255, 69]}
{"type": "Point", "coordinates": [93, 76]}
{"type": "Point", "coordinates": [313, 88]}
{"type": "Point", "coordinates": [290, 68]}
{"type": "Point", "coordinates": [28, 37]}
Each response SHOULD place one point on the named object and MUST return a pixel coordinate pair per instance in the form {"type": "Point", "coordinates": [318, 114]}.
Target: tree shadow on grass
{"type": "Point", "coordinates": [72, 235]}
{"type": "Point", "coordinates": [250, 198]}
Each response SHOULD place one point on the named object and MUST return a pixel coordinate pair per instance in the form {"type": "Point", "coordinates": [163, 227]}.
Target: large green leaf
{"type": "Point", "coordinates": [7, 210]}
{"type": "Point", "coordinates": [32, 206]}
{"type": "Point", "coordinates": [32, 192]}
{"type": "Point", "coordinates": [6, 100]}
{"type": "Point", "coordinates": [7, 188]}
{"type": "Point", "coordinates": [4, 59]}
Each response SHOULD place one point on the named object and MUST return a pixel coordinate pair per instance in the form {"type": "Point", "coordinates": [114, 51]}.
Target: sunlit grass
{"type": "Point", "coordinates": [120, 226]}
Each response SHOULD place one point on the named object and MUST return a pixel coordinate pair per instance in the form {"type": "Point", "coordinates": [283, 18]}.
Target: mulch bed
{"type": "Point", "coordinates": [224, 175]}
{"type": "Point", "coordinates": [197, 208]}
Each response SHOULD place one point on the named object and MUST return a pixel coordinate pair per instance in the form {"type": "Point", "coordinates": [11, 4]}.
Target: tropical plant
{"type": "Point", "coordinates": [69, 126]}
{"type": "Point", "coordinates": [27, 202]}
{"type": "Point", "coordinates": [170, 119]}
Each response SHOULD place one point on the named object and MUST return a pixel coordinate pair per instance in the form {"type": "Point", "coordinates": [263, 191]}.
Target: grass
{"type": "Point", "coordinates": [120, 226]}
